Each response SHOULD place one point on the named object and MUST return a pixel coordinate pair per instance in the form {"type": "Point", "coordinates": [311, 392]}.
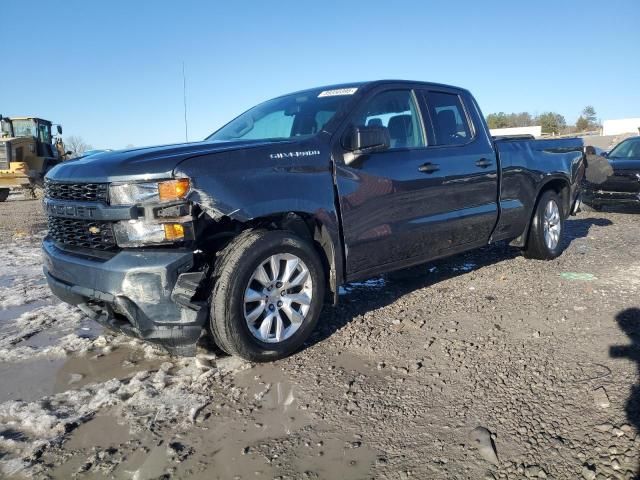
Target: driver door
{"type": "Point", "coordinates": [390, 200]}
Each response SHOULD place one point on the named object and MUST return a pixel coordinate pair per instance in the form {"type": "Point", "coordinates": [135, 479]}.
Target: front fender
{"type": "Point", "coordinates": [245, 188]}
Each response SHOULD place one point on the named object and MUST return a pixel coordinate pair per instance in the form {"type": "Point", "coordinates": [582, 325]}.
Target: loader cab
{"type": "Point", "coordinates": [27, 151]}
{"type": "Point", "coordinates": [27, 127]}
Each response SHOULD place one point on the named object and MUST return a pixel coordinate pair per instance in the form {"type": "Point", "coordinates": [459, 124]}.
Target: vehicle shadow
{"type": "Point", "coordinates": [579, 228]}
{"type": "Point", "coordinates": [629, 322]}
{"type": "Point", "coordinates": [359, 298]}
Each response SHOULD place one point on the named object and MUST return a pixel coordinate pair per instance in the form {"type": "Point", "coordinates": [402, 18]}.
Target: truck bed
{"type": "Point", "coordinates": [524, 165]}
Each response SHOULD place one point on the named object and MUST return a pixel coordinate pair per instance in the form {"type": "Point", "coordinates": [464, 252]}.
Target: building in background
{"type": "Point", "coordinates": [536, 131]}
{"type": "Point", "coordinates": [622, 125]}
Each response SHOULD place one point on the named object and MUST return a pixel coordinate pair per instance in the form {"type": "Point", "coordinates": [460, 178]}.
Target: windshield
{"type": "Point", "coordinates": [627, 149]}
{"type": "Point", "coordinates": [291, 116]}
{"type": "Point", "coordinates": [24, 128]}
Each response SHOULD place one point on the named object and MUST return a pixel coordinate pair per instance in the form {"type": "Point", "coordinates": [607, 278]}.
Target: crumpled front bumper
{"type": "Point", "coordinates": [602, 197]}
{"type": "Point", "coordinates": [136, 292]}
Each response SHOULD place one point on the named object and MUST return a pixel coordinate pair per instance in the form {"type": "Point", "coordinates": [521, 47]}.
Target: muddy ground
{"type": "Point", "coordinates": [543, 356]}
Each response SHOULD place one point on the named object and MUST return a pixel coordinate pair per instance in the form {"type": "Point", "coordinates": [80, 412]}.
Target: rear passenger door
{"type": "Point", "coordinates": [461, 148]}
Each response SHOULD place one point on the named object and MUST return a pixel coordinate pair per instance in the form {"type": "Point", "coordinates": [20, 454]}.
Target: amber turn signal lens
{"type": "Point", "coordinates": [173, 189]}
{"type": "Point", "coordinates": [173, 231]}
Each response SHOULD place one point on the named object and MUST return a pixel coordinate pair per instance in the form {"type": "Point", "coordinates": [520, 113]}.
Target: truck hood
{"type": "Point", "coordinates": [148, 163]}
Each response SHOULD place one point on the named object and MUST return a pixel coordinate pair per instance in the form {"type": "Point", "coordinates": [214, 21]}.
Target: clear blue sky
{"type": "Point", "coordinates": [111, 71]}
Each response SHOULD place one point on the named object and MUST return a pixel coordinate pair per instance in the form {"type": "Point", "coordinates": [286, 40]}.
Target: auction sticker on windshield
{"type": "Point", "coordinates": [338, 91]}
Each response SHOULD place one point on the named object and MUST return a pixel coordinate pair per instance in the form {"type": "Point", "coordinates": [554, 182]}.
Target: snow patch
{"type": "Point", "coordinates": [171, 393]}
{"type": "Point", "coordinates": [374, 283]}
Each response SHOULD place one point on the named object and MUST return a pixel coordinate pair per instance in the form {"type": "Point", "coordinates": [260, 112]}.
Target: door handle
{"type": "Point", "coordinates": [429, 167]}
{"type": "Point", "coordinates": [484, 163]}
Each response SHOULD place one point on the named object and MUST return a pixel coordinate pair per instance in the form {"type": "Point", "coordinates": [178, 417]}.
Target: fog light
{"type": "Point", "coordinates": [134, 233]}
{"type": "Point", "coordinates": [173, 231]}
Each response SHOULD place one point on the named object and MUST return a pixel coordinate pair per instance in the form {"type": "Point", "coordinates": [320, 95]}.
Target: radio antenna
{"type": "Point", "coordinates": [184, 99]}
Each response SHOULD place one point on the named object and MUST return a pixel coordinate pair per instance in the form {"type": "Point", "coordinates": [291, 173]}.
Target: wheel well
{"type": "Point", "coordinates": [217, 234]}
{"type": "Point", "coordinates": [561, 187]}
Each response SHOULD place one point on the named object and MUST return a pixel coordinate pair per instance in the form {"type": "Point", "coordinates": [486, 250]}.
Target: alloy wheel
{"type": "Point", "coordinates": [277, 298]}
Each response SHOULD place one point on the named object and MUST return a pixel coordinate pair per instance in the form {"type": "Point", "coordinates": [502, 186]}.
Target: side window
{"type": "Point", "coordinates": [43, 133]}
{"type": "Point", "coordinates": [396, 110]}
{"type": "Point", "coordinates": [449, 119]}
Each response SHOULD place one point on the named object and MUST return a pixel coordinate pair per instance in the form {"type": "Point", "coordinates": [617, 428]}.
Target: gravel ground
{"type": "Point", "coordinates": [485, 365]}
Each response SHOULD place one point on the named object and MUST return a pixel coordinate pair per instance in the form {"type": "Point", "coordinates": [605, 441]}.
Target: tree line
{"type": "Point", "coordinates": [551, 122]}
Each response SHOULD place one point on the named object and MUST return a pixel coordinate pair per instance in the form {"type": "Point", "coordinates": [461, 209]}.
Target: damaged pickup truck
{"type": "Point", "coordinates": [246, 234]}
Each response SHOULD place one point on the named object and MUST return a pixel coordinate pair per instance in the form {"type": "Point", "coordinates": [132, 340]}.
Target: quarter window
{"type": "Point", "coordinates": [397, 111]}
{"type": "Point", "coordinates": [449, 119]}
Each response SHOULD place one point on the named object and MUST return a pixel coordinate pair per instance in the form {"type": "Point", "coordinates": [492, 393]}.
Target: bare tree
{"type": "Point", "coordinates": [76, 145]}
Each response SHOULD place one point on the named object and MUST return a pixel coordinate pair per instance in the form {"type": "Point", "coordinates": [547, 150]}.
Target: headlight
{"type": "Point", "coordinates": [148, 192]}
{"type": "Point", "coordinates": [135, 233]}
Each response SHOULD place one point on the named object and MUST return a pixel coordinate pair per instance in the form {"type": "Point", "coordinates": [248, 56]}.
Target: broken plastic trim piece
{"type": "Point", "coordinates": [186, 288]}
{"type": "Point", "coordinates": [90, 311]}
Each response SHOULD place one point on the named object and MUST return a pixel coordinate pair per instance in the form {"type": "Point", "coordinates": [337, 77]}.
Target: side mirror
{"type": "Point", "coordinates": [59, 128]}
{"type": "Point", "coordinates": [604, 154]}
{"type": "Point", "coordinates": [368, 139]}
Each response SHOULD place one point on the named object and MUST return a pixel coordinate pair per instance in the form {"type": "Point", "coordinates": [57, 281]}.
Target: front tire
{"type": "Point", "coordinates": [547, 226]}
{"type": "Point", "coordinates": [267, 296]}
{"type": "Point", "coordinates": [4, 194]}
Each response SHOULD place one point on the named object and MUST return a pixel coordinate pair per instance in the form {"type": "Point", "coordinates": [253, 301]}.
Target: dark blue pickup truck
{"type": "Point", "coordinates": [244, 235]}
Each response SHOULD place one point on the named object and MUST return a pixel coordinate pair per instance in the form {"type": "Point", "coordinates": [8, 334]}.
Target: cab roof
{"type": "Point", "coordinates": [29, 118]}
{"type": "Point", "coordinates": [375, 83]}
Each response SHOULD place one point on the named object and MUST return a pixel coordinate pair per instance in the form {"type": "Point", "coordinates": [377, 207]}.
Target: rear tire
{"type": "Point", "coordinates": [4, 194]}
{"type": "Point", "coordinates": [244, 270]}
{"type": "Point", "coordinates": [547, 226]}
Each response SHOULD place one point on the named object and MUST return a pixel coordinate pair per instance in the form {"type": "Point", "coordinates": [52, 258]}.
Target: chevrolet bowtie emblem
{"type": "Point", "coordinates": [94, 230]}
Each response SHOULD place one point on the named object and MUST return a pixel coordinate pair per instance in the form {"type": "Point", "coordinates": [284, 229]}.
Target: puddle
{"type": "Point", "coordinates": [33, 379]}
{"type": "Point", "coordinates": [280, 438]}
{"type": "Point", "coordinates": [107, 435]}
{"type": "Point", "coordinates": [278, 411]}
{"type": "Point", "coordinates": [50, 336]}
{"type": "Point", "coordinates": [102, 431]}
{"type": "Point", "coordinates": [276, 438]}
{"type": "Point", "coordinates": [13, 312]}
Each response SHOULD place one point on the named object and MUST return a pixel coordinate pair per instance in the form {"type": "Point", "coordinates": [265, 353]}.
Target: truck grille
{"type": "Point", "coordinates": [82, 233]}
{"type": "Point", "coordinates": [4, 156]}
{"type": "Point", "coordinates": [86, 192]}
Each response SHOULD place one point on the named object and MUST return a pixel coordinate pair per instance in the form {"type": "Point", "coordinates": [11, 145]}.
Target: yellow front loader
{"type": "Point", "coordinates": [27, 152]}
